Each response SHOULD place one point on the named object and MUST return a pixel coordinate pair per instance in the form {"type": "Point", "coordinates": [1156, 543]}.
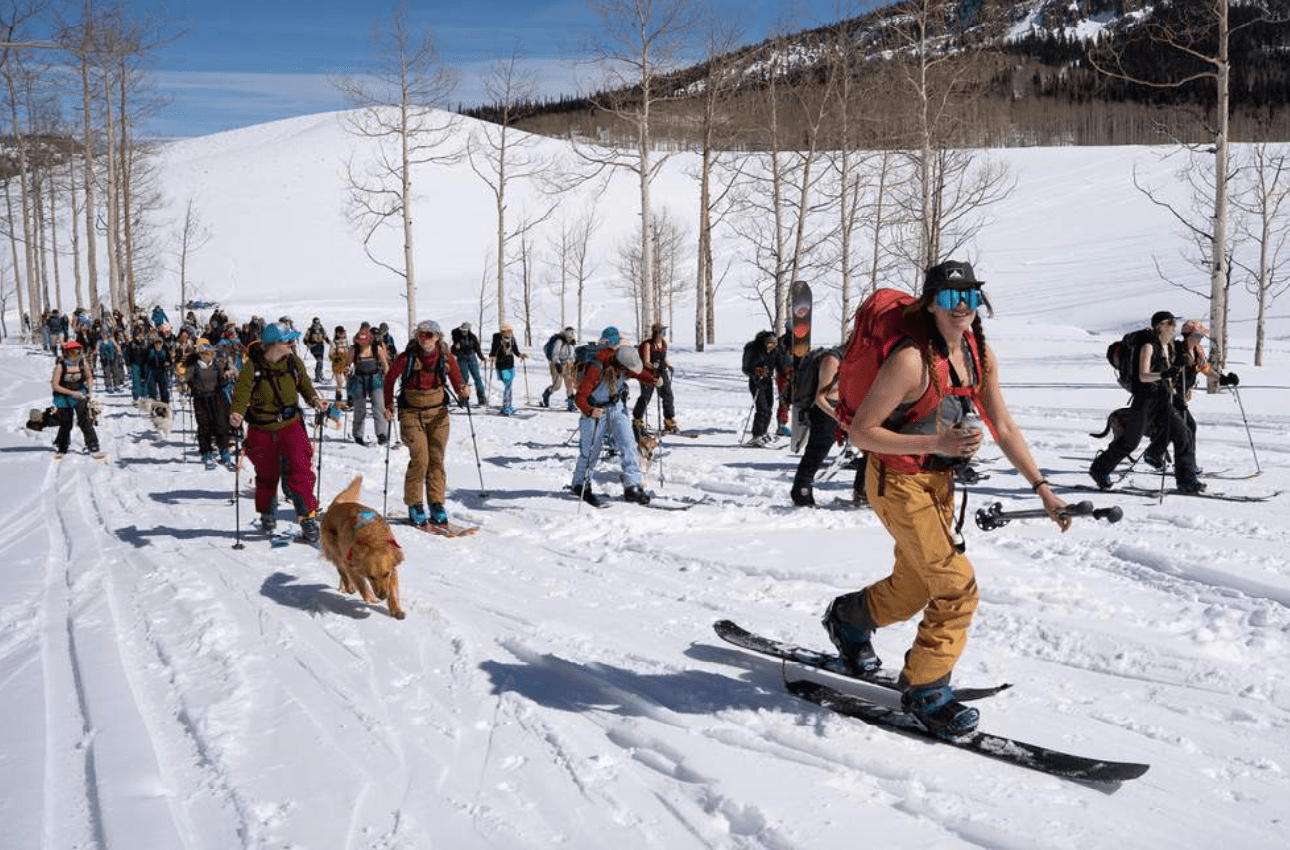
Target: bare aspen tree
{"type": "Point", "coordinates": [933, 43]}
{"type": "Point", "coordinates": [79, 40]}
{"type": "Point", "coordinates": [14, 267]}
{"type": "Point", "coordinates": [778, 206]}
{"type": "Point", "coordinates": [397, 110]}
{"type": "Point", "coordinates": [499, 155]}
{"type": "Point", "coordinates": [15, 76]}
{"type": "Point", "coordinates": [484, 298]}
{"type": "Point", "coordinates": [637, 44]}
{"type": "Point", "coordinates": [580, 258]}
{"type": "Point", "coordinates": [1193, 224]}
{"type": "Point", "coordinates": [1199, 33]}
{"type": "Point", "coordinates": [74, 227]}
{"type": "Point", "coordinates": [526, 261]}
{"type": "Point", "coordinates": [1265, 201]}
{"type": "Point", "coordinates": [716, 131]}
{"type": "Point", "coordinates": [193, 234]}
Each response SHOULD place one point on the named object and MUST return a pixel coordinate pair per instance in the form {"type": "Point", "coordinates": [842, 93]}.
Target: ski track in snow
{"type": "Point", "coordinates": [556, 682]}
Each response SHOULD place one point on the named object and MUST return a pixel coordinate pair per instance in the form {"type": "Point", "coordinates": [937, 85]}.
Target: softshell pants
{"type": "Point", "coordinates": [424, 427]}
{"type": "Point", "coordinates": [664, 392]}
{"type": "Point", "coordinates": [929, 575]}
{"type": "Point", "coordinates": [469, 366]}
{"type": "Point", "coordinates": [591, 434]}
{"type": "Point", "coordinates": [282, 454]}
{"type": "Point", "coordinates": [365, 389]}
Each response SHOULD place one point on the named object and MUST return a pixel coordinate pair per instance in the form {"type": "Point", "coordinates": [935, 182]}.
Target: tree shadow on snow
{"type": "Point", "coordinates": [570, 686]}
{"type": "Point", "coordinates": [313, 598]}
{"type": "Point", "coordinates": [175, 497]}
{"type": "Point", "coordinates": [138, 537]}
{"type": "Point", "coordinates": [41, 448]}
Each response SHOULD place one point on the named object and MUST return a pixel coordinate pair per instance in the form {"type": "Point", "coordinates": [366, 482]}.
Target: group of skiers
{"type": "Point", "coordinates": [915, 408]}
{"type": "Point", "coordinates": [1159, 369]}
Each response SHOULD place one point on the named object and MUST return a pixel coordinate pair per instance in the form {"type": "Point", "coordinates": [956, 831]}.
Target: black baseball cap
{"type": "Point", "coordinates": [1162, 316]}
{"type": "Point", "coordinates": [950, 274]}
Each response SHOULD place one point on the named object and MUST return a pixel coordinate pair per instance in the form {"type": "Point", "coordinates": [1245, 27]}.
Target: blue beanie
{"type": "Point", "coordinates": [611, 335]}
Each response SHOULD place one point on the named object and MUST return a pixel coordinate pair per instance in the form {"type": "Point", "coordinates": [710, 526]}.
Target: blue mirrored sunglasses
{"type": "Point", "coordinates": [948, 299]}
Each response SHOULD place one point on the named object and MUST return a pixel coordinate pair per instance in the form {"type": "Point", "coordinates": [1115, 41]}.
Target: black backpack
{"type": "Point", "coordinates": [806, 377]}
{"type": "Point", "coordinates": [549, 348]}
{"type": "Point", "coordinates": [1123, 356]}
{"type": "Point", "coordinates": [752, 349]}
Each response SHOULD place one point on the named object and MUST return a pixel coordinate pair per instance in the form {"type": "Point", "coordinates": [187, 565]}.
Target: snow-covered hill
{"type": "Point", "coordinates": [556, 681]}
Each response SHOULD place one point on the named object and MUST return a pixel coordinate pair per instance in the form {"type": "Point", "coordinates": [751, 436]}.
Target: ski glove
{"type": "Point", "coordinates": [1229, 380]}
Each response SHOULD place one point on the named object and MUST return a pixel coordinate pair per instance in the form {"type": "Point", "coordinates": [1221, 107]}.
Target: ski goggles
{"type": "Point", "coordinates": [948, 299]}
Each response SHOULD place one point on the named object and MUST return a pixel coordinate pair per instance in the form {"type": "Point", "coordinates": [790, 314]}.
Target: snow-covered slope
{"type": "Point", "coordinates": [556, 681]}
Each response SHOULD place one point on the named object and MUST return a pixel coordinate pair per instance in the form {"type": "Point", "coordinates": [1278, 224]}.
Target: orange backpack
{"type": "Point", "coordinates": [881, 324]}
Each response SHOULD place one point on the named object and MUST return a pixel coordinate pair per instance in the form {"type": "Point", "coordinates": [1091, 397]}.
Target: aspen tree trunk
{"type": "Point", "coordinates": [28, 242]}
{"type": "Point", "coordinates": [1218, 278]}
{"type": "Point", "coordinates": [113, 233]}
{"type": "Point", "coordinates": [125, 176]}
{"type": "Point", "coordinates": [17, 264]}
{"type": "Point", "coordinates": [91, 237]}
{"type": "Point", "coordinates": [74, 226]}
{"type": "Point", "coordinates": [405, 176]}
{"type": "Point", "coordinates": [500, 197]}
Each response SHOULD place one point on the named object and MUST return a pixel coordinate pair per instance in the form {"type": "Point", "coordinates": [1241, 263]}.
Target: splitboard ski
{"type": "Point", "coordinates": [450, 529]}
{"type": "Point", "coordinates": [673, 504]}
{"type": "Point", "coordinates": [1020, 753]}
{"type": "Point", "coordinates": [1154, 493]}
{"type": "Point", "coordinates": [731, 632]}
{"type": "Point", "coordinates": [799, 326]}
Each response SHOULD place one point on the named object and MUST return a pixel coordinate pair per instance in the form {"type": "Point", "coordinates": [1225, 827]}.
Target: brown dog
{"type": "Point", "coordinates": [645, 445]}
{"type": "Point", "coordinates": [358, 541]}
{"type": "Point", "coordinates": [1115, 423]}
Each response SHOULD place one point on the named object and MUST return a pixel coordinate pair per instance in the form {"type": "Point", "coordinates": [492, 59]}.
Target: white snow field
{"type": "Point", "coordinates": [556, 682]}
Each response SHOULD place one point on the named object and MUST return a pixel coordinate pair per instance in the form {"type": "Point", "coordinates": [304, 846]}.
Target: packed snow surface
{"type": "Point", "coordinates": [556, 682]}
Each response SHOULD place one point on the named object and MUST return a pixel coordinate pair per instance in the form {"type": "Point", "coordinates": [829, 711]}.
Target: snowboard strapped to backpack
{"type": "Point", "coordinates": [882, 324]}
{"type": "Point", "coordinates": [1123, 356]}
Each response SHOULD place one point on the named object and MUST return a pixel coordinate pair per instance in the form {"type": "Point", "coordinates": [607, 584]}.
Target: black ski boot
{"type": "Point", "coordinates": [853, 643]}
{"type": "Point", "coordinates": [636, 494]}
{"type": "Point", "coordinates": [585, 494]}
{"type": "Point", "coordinates": [802, 496]}
{"type": "Point", "coordinates": [935, 707]}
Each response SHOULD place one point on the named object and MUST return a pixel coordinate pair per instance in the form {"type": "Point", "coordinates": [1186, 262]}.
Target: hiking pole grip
{"type": "Point", "coordinates": [994, 516]}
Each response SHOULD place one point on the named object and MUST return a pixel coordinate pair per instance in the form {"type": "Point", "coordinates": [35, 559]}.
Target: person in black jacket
{"type": "Point", "coordinates": [156, 370]}
{"type": "Point", "coordinates": [1153, 386]}
{"type": "Point", "coordinates": [1189, 352]}
{"type": "Point", "coordinates": [501, 357]}
{"type": "Point", "coordinates": [207, 381]}
{"type": "Point", "coordinates": [761, 358]}
{"type": "Point", "coordinates": [466, 350]}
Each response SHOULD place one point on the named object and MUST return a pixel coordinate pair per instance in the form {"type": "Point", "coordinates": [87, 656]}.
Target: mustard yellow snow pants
{"type": "Point", "coordinates": [423, 426]}
{"type": "Point", "coordinates": [929, 575]}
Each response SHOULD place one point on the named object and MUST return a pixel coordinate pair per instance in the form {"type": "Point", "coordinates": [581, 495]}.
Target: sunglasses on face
{"type": "Point", "coordinates": [427, 336]}
{"type": "Point", "coordinates": [948, 299]}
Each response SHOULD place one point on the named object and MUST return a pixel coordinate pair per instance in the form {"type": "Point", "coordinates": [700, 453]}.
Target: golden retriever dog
{"type": "Point", "coordinates": [358, 541]}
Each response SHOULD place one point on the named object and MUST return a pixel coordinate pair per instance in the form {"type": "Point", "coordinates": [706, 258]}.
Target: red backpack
{"type": "Point", "coordinates": [881, 324]}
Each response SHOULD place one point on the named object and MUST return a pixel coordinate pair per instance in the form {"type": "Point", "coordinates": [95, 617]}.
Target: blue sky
{"type": "Point", "coordinates": [240, 62]}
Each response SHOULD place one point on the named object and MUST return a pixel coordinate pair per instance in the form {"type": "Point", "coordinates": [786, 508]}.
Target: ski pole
{"type": "Point", "coordinates": [237, 493]}
{"type": "Point", "coordinates": [1236, 393]}
{"type": "Point", "coordinates": [747, 420]}
{"type": "Point", "coordinates": [994, 516]}
{"type": "Point", "coordinates": [470, 419]}
{"type": "Point", "coordinates": [658, 446]}
{"type": "Point", "coordinates": [385, 489]}
{"type": "Point", "coordinates": [591, 460]}
{"type": "Point", "coordinates": [318, 476]}
{"type": "Point", "coordinates": [528, 397]}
